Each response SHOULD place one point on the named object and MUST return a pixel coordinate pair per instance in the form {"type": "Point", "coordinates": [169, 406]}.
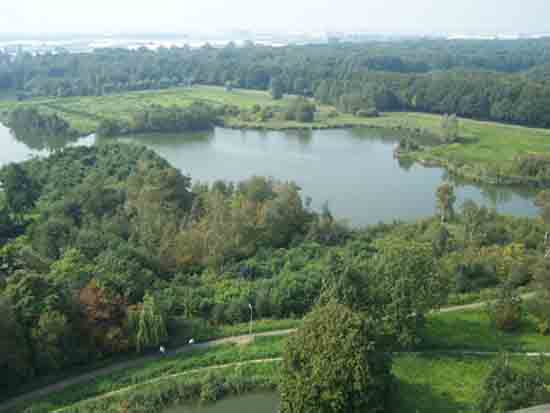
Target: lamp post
{"type": "Point", "coordinates": [251, 314]}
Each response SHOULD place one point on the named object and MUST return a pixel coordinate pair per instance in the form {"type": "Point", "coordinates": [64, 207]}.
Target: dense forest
{"type": "Point", "coordinates": [108, 250]}
{"type": "Point", "coordinates": [498, 80]}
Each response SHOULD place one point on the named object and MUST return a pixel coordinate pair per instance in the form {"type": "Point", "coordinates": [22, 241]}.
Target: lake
{"type": "Point", "coordinates": [250, 403]}
{"type": "Point", "coordinates": [352, 170]}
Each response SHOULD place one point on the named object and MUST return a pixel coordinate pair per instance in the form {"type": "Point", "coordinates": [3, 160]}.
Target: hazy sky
{"type": "Point", "coordinates": [114, 16]}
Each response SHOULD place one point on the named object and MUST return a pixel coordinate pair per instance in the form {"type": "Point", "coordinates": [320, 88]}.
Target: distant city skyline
{"type": "Point", "coordinates": [486, 17]}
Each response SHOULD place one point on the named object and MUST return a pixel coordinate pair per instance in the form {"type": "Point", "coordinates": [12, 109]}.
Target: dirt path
{"type": "Point", "coordinates": [7, 405]}
{"type": "Point", "coordinates": [476, 306]}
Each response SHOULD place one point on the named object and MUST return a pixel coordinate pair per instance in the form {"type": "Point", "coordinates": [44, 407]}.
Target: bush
{"type": "Point", "coordinates": [507, 388]}
{"type": "Point", "coordinates": [539, 308]}
{"type": "Point", "coordinates": [506, 313]}
{"type": "Point", "coordinates": [212, 388]}
{"type": "Point", "coordinates": [367, 113]}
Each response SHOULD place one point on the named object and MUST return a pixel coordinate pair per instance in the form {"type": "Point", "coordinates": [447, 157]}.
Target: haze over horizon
{"type": "Point", "coordinates": [398, 16]}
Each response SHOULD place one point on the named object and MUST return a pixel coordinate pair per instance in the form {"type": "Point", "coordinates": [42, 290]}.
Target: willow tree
{"type": "Point", "coordinates": [151, 326]}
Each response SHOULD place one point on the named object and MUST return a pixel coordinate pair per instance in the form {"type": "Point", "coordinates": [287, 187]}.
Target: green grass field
{"type": "Point", "coordinates": [434, 381]}
{"type": "Point", "coordinates": [472, 330]}
{"type": "Point", "coordinates": [84, 113]}
{"type": "Point", "coordinates": [483, 142]}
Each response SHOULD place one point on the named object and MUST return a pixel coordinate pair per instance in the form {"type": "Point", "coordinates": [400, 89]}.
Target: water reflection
{"type": "Point", "coordinates": [42, 143]}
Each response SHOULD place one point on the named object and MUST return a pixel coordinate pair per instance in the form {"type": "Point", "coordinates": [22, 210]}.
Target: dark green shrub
{"type": "Point", "coordinates": [506, 312]}
{"type": "Point", "coordinates": [367, 113]}
{"type": "Point", "coordinates": [213, 388]}
{"type": "Point", "coordinates": [508, 388]}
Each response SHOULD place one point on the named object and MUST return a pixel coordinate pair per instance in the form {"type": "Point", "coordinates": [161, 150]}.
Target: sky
{"type": "Point", "coordinates": [183, 16]}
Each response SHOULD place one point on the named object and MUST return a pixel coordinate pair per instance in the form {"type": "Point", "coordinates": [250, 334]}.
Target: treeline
{"type": "Point", "coordinates": [196, 117]}
{"type": "Point", "coordinates": [26, 120]}
{"type": "Point", "coordinates": [498, 80]}
{"type": "Point", "coordinates": [479, 95]}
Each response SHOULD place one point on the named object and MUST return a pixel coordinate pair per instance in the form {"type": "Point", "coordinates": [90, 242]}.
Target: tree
{"type": "Point", "coordinates": [474, 219]}
{"type": "Point", "coordinates": [407, 286]}
{"type": "Point", "coordinates": [104, 317]}
{"type": "Point", "coordinates": [151, 327]}
{"type": "Point", "coordinates": [20, 191]}
{"type": "Point", "coordinates": [334, 363]}
{"type": "Point", "coordinates": [542, 201]}
{"type": "Point", "coordinates": [539, 308]}
{"type": "Point", "coordinates": [506, 312]}
{"type": "Point", "coordinates": [445, 200]}
{"type": "Point", "coordinates": [507, 388]}
{"type": "Point", "coordinates": [48, 336]}
{"type": "Point", "coordinates": [277, 88]}
{"type": "Point", "coordinates": [450, 128]}
{"type": "Point", "coordinates": [15, 354]}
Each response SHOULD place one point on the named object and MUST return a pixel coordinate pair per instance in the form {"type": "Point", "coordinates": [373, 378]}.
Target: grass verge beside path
{"type": "Point", "coordinates": [261, 348]}
{"type": "Point", "coordinates": [202, 333]}
{"type": "Point", "coordinates": [424, 383]}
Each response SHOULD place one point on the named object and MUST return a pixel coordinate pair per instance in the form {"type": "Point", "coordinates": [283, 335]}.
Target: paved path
{"type": "Point", "coordinates": [7, 405]}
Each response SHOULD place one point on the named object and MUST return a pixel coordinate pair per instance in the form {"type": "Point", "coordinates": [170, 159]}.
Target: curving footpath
{"type": "Point", "coordinates": [243, 339]}
{"type": "Point", "coordinates": [278, 359]}
{"type": "Point", "coordinates": [61, 385]}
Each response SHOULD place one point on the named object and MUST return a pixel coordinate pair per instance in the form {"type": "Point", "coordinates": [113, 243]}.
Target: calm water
{"type": "Point", "coordinates": [251, 403]}
{"type": "Point", "coordinates": [353, 170]}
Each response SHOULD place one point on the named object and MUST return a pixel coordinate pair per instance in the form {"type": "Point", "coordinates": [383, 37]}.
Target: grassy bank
{"type": "Point", "coordinates": [443, 383]}
{"type": "Point", "coordinates": [200, 330]}
{"type": "Point", "coordinates": [261, 348]}
{"type": "Point", "coordinates": [430, 382]}
{"type": "Point", "coordinates": [472, 330]}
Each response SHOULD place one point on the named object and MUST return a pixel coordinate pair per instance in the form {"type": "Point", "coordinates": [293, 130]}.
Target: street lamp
{"type": "Point", "coordinates": [250, 326]}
